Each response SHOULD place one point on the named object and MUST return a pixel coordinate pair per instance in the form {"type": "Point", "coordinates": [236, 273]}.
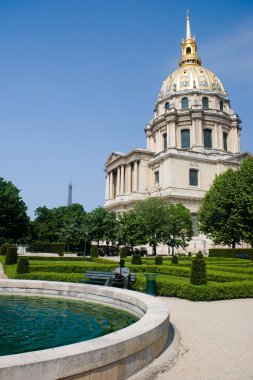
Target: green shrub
{"type": "Point", "coordinates": [94, 251]}
{"type": "Point", "coordinates": [189, 254]}
{"type": "Point", "coordinates": [57, 247]}
{"type": "Point", "coordinates": [123, 252]}
{"type": "Point", "coordinates": [158, 260]}
{"type": "Point", "coordinates": [174, 259]}
{"type": "Point", "coordinates": [3, 250]}
{"type": "Point", "coordinates": [47, 276]}
{"type": "Point", "coordinates": [239, 253]}
{"type": "Point", "coordinates": [11, 256]}
{"type": "Point", "coordinates": [23, 265]}
{"type": "Point", "coordinates": [136, 259]}
{"type": "Point", "coordinates": [199, 255]}
{"type": "Point", "coordinates": [198, 272]}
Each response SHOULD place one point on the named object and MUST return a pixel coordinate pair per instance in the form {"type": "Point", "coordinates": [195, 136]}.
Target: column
{"type": "Point", "coordinates": [107, 186]}
{"type": "Point", "coordinates": [168, 137]}
{"type": "Point", "coordinates": [122, 179]}
{"type": "Point", "coordinates": [173, 134]}
{"type": "Point", "coordinates": [215, 132]}
{"type": "Point", "coordinates": [118, 181]}
{"type": "Point", "coordinates": [135, 176]}
{"type": "Point", "coordinates": [110, 186]}
{"type": "Point", "coordinates": [128, 179]}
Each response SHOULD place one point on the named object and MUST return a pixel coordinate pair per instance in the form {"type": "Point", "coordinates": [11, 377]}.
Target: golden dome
{"type": "Point", "coordinates": [191, 76]}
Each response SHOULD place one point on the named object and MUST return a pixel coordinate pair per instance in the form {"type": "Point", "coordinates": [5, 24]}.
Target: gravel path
{"type": "Point", "coordinates": [213, 341]}
{"type": "Point", "coordinates": [2, 274]}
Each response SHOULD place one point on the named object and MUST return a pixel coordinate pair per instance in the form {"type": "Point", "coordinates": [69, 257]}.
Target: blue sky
{"type": "Point", "coordinates": [79, 78]}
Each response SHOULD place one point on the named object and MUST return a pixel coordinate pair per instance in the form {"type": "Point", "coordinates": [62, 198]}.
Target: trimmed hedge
{"type": "Point", "coordinates": [57, 247]}
{"type": "Point", "coordinates": [239, 253]}
{"type": "Point", "coordinates": [94, 251]}
{"type": "Point", "coordinates": [23, 265]}
{"type": "Point", "coordinates": [136, 259]}
{"type": "Point", "coordinates": [158, 260]}
{"type": "Point", "coordinates": [123, 252]}
{"type": "Point", "coordinates": [198, 271]}
{"type": "Point", "coordinates": [51, 276]}
{"type": "Point", "coordinates": [3, 250]}
{"type": "Point", "coordinates": [174, 259]}
{"type": "Point", "coordinates": [11, 256]}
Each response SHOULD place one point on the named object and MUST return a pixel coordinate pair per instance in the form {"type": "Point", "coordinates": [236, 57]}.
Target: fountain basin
{"type": "Point", "coordinates": [114, 356]}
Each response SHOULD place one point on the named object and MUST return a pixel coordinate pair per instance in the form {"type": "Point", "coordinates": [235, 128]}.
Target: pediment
{"type": "Point", "coordinates": [112, 157]}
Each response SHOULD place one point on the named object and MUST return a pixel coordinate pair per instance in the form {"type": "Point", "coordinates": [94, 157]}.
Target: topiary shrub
{"type": "Point", "coordinates": [136, 259]}
{"type": "Point", "coordinates": [94, 251]}
{"type": "Point", "coordinates": [174, 259]}
{"type": "Point", "coordinates": [199, 255]}
{"type": "Point", "coordinates": [158, 260]}
{"type": "Point", "coordinates": [123, 252]}
{"type": "Point", "coordinates": [189, 254]}
{"type": "Point", "coordinates": [11, 256]}
{"type": "Point", "coordinates": [3, 250]}
{"type": "Point", "coordinates": [198, 272]}
{"type": "Point", "coordinates": [23, 265]}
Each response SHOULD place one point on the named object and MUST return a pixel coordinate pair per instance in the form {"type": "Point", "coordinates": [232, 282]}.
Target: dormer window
{"type": "Point", "coordinates": [188, 50]}
{"type": "Point", "coordinates": [185, 103]}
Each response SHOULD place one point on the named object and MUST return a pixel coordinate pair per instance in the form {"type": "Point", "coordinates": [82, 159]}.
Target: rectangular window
{"type": "Point", "coordinates": [165, 141]}
{"type": "Point", "coordinates": [225, 141]}
{"type": "Point", "coordinates": [156, 177]}
{"type": "Point", "coordinates": [193, 177]}
{"type": "Point", "coordinates": [207, 138]}
{"type": "Point", "coordinates": [185, 138]}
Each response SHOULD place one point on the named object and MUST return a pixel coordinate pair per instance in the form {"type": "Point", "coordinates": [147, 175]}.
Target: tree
{"type": "Point", "coordinates": [178, 228]}
{"type": "Point", "coordinates": [14, 222]}
{"type": "Point", "coordinates": [152, 214]}
{"type": "Point", "coordinates": [244, 200]}
{"type": "Point", "coordinates": [131, 229]}
{"type": "Point", "coordinates": [102, 225]}
{"type": "Point", "coordinates": [218, 215]}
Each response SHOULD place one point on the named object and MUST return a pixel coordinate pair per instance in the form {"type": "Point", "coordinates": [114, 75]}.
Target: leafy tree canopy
{"type": "Point", "coordinates": [14, 221]}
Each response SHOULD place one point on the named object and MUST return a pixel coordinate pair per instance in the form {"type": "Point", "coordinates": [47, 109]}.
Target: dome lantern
{"type": "Point", "coordinates": [189, 47]}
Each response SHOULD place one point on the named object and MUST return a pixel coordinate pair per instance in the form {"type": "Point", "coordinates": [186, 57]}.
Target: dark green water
{"type": "Point", "coordinates": [37, 323]}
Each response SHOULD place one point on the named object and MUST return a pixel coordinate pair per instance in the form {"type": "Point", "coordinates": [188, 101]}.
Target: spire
{"type": "Point", "coordinates": [70, 194]}
{"type": "Point", "coordinates": [189, 47]}
{"type": "Point", "coordinates": [188, 27]}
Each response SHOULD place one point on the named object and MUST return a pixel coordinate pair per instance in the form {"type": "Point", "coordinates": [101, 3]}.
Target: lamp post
{"type": "Point", "coordinates": [85, 242]}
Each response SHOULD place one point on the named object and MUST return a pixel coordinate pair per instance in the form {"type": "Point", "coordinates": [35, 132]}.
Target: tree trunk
{"type": "Point", "coordinates": [233, 244]}
{"type": "Point", "coordinates": [173, 250]}
{"type": "Point", "coordinates": [154, 249]}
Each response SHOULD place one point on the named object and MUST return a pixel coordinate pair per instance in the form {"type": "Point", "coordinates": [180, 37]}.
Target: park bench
{"type": "Point", "coordinates": [99, 278]}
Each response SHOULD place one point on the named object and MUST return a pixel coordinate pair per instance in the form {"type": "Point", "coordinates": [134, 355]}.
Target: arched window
{"type": "Point", "coordinates": [167, 105]}
{"type": "Point", "coordinates": [185, 138]}
{"type": "Point", "coordinates": [205, 102]}
{"type": "Point", "coordinates": [193, 177]}
{"type": "Point", "coordinates": [207, 138]}
{"type": "Point", "coordinates": [225, 141]}
{"type": "Point", "coordinates": [188, 50]}
{"type": "Point", "coordinates": [185, 103]}
{"type": "Point", "coordinates": [221, 106]}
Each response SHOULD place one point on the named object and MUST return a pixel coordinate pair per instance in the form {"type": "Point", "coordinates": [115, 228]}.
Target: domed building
{"type": "Point", "coordinates": [193, 136]}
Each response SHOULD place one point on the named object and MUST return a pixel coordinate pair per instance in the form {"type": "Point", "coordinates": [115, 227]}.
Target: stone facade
{"type": "Point", "coordinates": [193, 136]}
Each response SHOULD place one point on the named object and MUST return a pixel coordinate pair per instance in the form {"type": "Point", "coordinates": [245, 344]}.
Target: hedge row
{"type": "Point", "coordinates": [71, 268]}
{"type": "Point", "coordinates": [166, 287]}
{"type": "Point", "coordinates": [47, 247]}
{"type": "Point", "coordinates": [56, 258]}
{"type": "Point", "coordinates": [240, 253]}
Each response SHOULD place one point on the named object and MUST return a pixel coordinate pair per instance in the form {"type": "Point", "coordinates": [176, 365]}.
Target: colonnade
{"type": "Point", "coordinates": [123, 179]}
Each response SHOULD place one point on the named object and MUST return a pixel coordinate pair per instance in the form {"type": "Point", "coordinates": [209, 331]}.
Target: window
{"type": "Point", "coordinates": [167, 105]}
{"type": "Point", "coordinates": [185, 138]}
{"type": "Point", "coordinates": [207, 138]}
{"type": "Point", "coordinates": [205, 104]}
{"type": "Point", "coordinates": [195, 226]}
{"type": "Point", "coordinates": [188, 50]}
{"type": "Point", "coordinates": [185, 104]}
{"type": "Point", "coordinates": [225, 141]}
{"type": "Point", "coordinates": [221, 106]}
{"type": "Point", "coordinates": [156, 177]}
{"type": "Point", "coordinates": [165, 142]}
{"type": "Point", "coordinates": [193, 177]}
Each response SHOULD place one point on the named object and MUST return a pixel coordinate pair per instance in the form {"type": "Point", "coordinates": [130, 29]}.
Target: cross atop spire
{"type": "Point", "coordinates": [188, 27]}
